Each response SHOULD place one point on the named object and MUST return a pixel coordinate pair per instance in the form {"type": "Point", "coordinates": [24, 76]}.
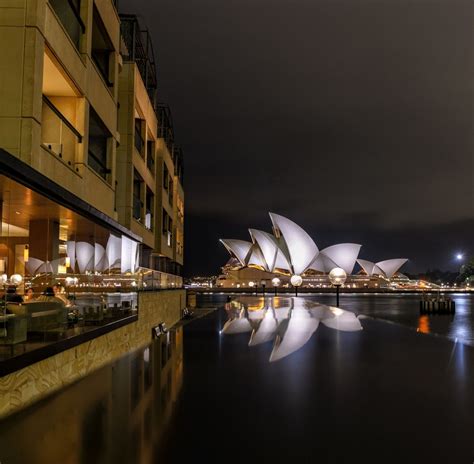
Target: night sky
{"type": "Point", "coordinates": [354, 118]}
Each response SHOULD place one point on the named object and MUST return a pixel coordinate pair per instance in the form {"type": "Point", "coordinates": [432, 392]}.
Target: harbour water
{"type": "Point", "coordinates": [385, 394]}
{"type": "Point", "coordinates": [398, 308]}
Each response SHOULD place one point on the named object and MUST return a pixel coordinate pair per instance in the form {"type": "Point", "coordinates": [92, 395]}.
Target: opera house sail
{"type": "Point", "coordinates": [290, 251]}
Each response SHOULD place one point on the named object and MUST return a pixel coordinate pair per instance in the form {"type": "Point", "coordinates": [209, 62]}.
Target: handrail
{"type": "Point", "coordinates": [63, 118]}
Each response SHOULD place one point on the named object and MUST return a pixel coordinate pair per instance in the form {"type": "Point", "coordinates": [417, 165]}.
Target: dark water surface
{"type": "Point", "coordinates": [399, 308]}
{"type": "Point", "coordinates": [386, 394]}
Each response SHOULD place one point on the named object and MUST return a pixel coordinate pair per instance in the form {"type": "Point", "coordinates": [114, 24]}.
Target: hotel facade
{"type": "Point", "coordinates": [91, 185]}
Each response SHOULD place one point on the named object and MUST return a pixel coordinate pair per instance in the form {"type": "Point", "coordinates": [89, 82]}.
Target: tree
{"type": "Point", "coordinates": [466, 271]}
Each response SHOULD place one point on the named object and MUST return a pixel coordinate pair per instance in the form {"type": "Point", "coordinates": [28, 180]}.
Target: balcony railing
{"type": "Point", "coordinates": [137, 208]}
{"type": "Point", "coordinates": [58, 135]}
{"type": "Point", "coordinates": [139, 49]}
{"type": "Point", "coordinates": [68, 12]}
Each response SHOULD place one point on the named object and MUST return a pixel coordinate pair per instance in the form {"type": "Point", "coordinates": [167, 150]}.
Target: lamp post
{"type": "Point", "coordinates": [251, 285]}
{"type": "Point", "coordinates": [263, 283]}
{"type": "Point", "coordinates": [276, 283]}
{"type": "Point", "coordinates": [337, 276]}
{"type": "Point", "coordinates": [296, 281]}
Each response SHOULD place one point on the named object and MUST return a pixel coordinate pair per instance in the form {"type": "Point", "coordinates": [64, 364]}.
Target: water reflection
{"type": "Point", "coordinates": [288, 322]}
{"type": "Point", "coordinates": [117, 414]}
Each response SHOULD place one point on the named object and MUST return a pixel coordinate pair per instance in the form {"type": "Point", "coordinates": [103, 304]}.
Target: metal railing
{"type": "Point", "coordinates": [58, 135]}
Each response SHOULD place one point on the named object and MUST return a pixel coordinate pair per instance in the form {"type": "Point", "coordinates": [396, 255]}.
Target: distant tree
{"type": "Point", "coordinates": [467, 270]}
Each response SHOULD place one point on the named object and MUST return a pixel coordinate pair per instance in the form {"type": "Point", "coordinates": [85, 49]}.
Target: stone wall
{"type": "Point", "coordinates": [34, 382]}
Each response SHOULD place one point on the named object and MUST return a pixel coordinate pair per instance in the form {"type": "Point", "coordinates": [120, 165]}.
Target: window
{"type": "Point", "coordinates": [102, 47]}
{"type": "Point", "coordinates": [165, 177]}
{"type": "Point", "coordinates": [68, 13]}
{"type": "Point", "coordinates": [150, 156]}
{"type": "Point", "coordinates": [137, 195]}
{"type": "Point", "coordinates": [170, 192]}
{"type": "Point", "coordinates": [139, 142]}
{"type": "Point", "coordinates": [149, 205]}
{"type": "Point", "coordinates": [98, 141]}
{"type": "Point", "coordinates": [164, 222]}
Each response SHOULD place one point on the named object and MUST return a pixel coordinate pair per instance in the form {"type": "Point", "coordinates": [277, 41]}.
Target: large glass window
{"type": "Point", "coordinates": [98, 143]}
{"type": "Point", "coordinates": [68, 12]}
{"type": "Point", "coordinates": [60, 273]}
{"type": "Point", "coordinates": [102, 48]}
{"type": "Point", "coordinates": [139, 142]}
{"type": "Point", "coordinates": [137, 196]}
{"type": "Point", "coordinates": [150, 156]}
{"type": "Point", "coordinates": [149, 206]}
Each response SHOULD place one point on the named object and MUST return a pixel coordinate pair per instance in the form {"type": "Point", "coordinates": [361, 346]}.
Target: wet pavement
{"type": "Point", "coordinates": [386, 394]}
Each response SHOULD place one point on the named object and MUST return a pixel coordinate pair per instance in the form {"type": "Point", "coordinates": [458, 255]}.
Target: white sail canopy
{"type": "Point", "coordinates": [301, 248]}
{"type": "Point", "coordinates": [238, 248]}
{"type": "Point", "coordinates": [344, 255]}
{"type": "Point", "coordinates": [391, 266]}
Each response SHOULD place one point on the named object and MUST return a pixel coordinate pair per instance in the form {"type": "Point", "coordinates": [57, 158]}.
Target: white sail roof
{"type": "Point", "coordinates": [386, 268]}
{"type": "Point", "coordinates": [343, 254]}
{"type": "Point", "coordinates": [268, 246]}
{"type": "Point", "coordinates": [256, 258]}
{"type": "Point", "coordinates": [391, 266]}
{"type": "Point", "coordinates": [301, 248]}
{"type": "Point", "coordinates": [367, 266]}
{"type": "Point", "coordinates": [239, 248]}
{"type": "Point", "coordinates": [323, 263]}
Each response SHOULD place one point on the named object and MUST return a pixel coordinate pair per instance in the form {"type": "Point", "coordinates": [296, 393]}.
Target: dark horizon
{"type": "Point", "coordinates": [354, 119]}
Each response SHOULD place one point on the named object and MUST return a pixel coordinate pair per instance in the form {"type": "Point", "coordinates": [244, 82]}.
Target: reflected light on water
{"type": "Point", "coordinates": [423, 325]}
{"type": "Point", "coordinates": [288, 322]}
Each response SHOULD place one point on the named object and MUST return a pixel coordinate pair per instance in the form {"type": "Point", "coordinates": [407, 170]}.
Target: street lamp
{"type": "Point", "coordinates": [263, 283]}
{"type": "Point", "coordinates": [296, 281]}
{"type": "Point", "coordinates": [276, 283]}
{"type": "Point", "coordinates": [337, 276]}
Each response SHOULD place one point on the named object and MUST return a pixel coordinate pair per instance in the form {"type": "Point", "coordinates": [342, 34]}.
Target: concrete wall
{"type": "Point", "coordinates": [34, 382]}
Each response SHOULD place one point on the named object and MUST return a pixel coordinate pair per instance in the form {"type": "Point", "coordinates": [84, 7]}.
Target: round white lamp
{"type": "Point", "coordinates": [16, 279]}
{"type": "Point", "coordinates": [251, 284]}
{"type": "Point", "coordinates": [337, 276]}
{"type": "Point", "coordinates": [276, 282]}
{"type": "Point", "coordinates": [296, 280]}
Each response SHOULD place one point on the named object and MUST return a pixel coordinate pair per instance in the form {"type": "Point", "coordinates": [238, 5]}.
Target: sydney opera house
{"type": "Point", "coordinates": [290, 251]}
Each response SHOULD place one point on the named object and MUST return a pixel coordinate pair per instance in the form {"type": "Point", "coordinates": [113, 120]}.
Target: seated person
{"type": "Point", "coordinates": [11, 296]}
{"type": "Point", "coordinates": [59, 293]}
{"type": "Point", "coordinates": [29, 294]}
{"type": "Point", "coordinates": [49, 296]}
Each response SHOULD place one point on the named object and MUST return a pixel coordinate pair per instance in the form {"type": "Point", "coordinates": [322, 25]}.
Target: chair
{"type": "Point", "coordinates": [15, 329]}
{"type": "Point", "coordinates": [41, 315]}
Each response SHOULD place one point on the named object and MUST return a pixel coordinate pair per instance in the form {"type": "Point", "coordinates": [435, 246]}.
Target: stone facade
{"type": "Point", "coordinates": [34, 382]}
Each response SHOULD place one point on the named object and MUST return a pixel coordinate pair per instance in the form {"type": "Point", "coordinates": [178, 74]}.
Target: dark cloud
{"type": "Point", "coordinates": [353, 117]}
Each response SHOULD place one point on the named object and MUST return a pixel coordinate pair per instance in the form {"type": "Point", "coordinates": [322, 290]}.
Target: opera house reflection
{"type": "Point", "coordinates": [118, 414]}
{"type": "Point", "coordinates": [287, 322]}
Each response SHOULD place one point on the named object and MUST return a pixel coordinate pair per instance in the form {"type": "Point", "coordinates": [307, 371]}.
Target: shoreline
{"type": "Point", "coordinates": [303, 291]}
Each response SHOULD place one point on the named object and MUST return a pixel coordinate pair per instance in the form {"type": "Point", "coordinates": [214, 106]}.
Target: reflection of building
{"type": "Point", "coordinates": [116, 414]}
{"type": "Point", "coordinates": [291, 251]}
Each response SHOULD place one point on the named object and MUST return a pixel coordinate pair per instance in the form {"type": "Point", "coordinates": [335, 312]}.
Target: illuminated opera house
{"type": "Point", "coordinates": [270, 259]}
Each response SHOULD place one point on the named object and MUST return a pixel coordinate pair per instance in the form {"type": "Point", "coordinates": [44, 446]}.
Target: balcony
{"type": "Point", "coordinates": [139, 49]}
{"type": "Point", "coordinates": [58, 135]}
{"type": "Point", "coordinates": [68, 12]}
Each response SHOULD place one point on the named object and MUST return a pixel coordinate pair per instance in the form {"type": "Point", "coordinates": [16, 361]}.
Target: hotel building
{"type": "Point", "coordinates": [91, 190]}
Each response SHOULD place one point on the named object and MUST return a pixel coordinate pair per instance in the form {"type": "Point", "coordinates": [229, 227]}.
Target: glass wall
{"type": "Point", "coordinates": [60, 273]}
